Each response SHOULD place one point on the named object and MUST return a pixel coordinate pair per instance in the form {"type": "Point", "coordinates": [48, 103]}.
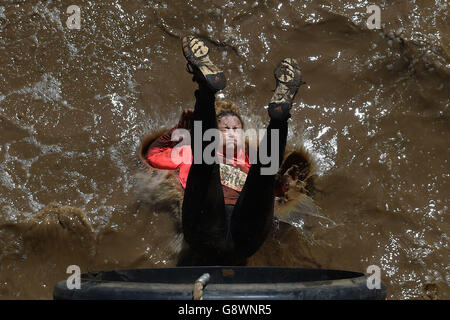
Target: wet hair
{"type": "Point", "coordinates": [227, 108]}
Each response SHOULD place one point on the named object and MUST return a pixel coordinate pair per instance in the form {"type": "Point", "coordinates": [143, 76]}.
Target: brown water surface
{"type": "Point", "coordinates": [374, 114]}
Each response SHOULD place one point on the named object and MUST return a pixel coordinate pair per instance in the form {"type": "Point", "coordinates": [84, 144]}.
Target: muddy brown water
{"type": "Point", "coordinates": [374, 114]}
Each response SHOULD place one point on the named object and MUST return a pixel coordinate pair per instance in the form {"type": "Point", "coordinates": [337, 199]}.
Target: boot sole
{"type": "Point", "coordinates": [196, 53]}
{"type": "Point", "coordinates": [289, 78]}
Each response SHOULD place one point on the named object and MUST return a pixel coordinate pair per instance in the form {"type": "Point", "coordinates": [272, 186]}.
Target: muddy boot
{"type": "Point", "coordinates": [198, 63]}
{"type": "Point", "coordinates": [289, 79]}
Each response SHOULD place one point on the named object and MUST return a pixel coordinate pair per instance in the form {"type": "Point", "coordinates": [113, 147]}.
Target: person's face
{"type": "Point", "coordinates": [231, 130]}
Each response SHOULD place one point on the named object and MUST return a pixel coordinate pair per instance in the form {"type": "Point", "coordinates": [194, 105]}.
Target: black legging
{"type": "Point", "coordinates": [227, 234]}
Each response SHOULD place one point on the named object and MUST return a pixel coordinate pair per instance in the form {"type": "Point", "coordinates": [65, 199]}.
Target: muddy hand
{"type": "Point", "coordinates": [186, 119]}
{"type": "Point", "coordinates": [291, 176]}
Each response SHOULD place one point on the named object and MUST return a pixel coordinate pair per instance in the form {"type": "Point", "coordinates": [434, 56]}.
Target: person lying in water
{"type": "Point", "coordinates": [228, 205]}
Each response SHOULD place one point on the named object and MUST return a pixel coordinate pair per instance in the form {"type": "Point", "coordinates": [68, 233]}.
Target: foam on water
{"type": "Point", "coordinates": [373, 115]}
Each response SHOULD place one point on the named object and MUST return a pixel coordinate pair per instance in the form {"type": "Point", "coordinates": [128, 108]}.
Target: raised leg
{"type": "Point", "coordinates": [203, 211]}
{"type": "Point", "coordinates": [253, 214]}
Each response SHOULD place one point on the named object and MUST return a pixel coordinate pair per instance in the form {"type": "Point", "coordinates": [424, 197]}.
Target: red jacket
{"type": "Point", "coordinates": [233, 175]}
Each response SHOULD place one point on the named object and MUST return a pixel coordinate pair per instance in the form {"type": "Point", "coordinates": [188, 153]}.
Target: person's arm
{"type": "Point", "coordinates": [286, 181]}
{"type": "Point", "coordinates": [160, 151]}
{"type": "Point", "coordinates": [159, 154]}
